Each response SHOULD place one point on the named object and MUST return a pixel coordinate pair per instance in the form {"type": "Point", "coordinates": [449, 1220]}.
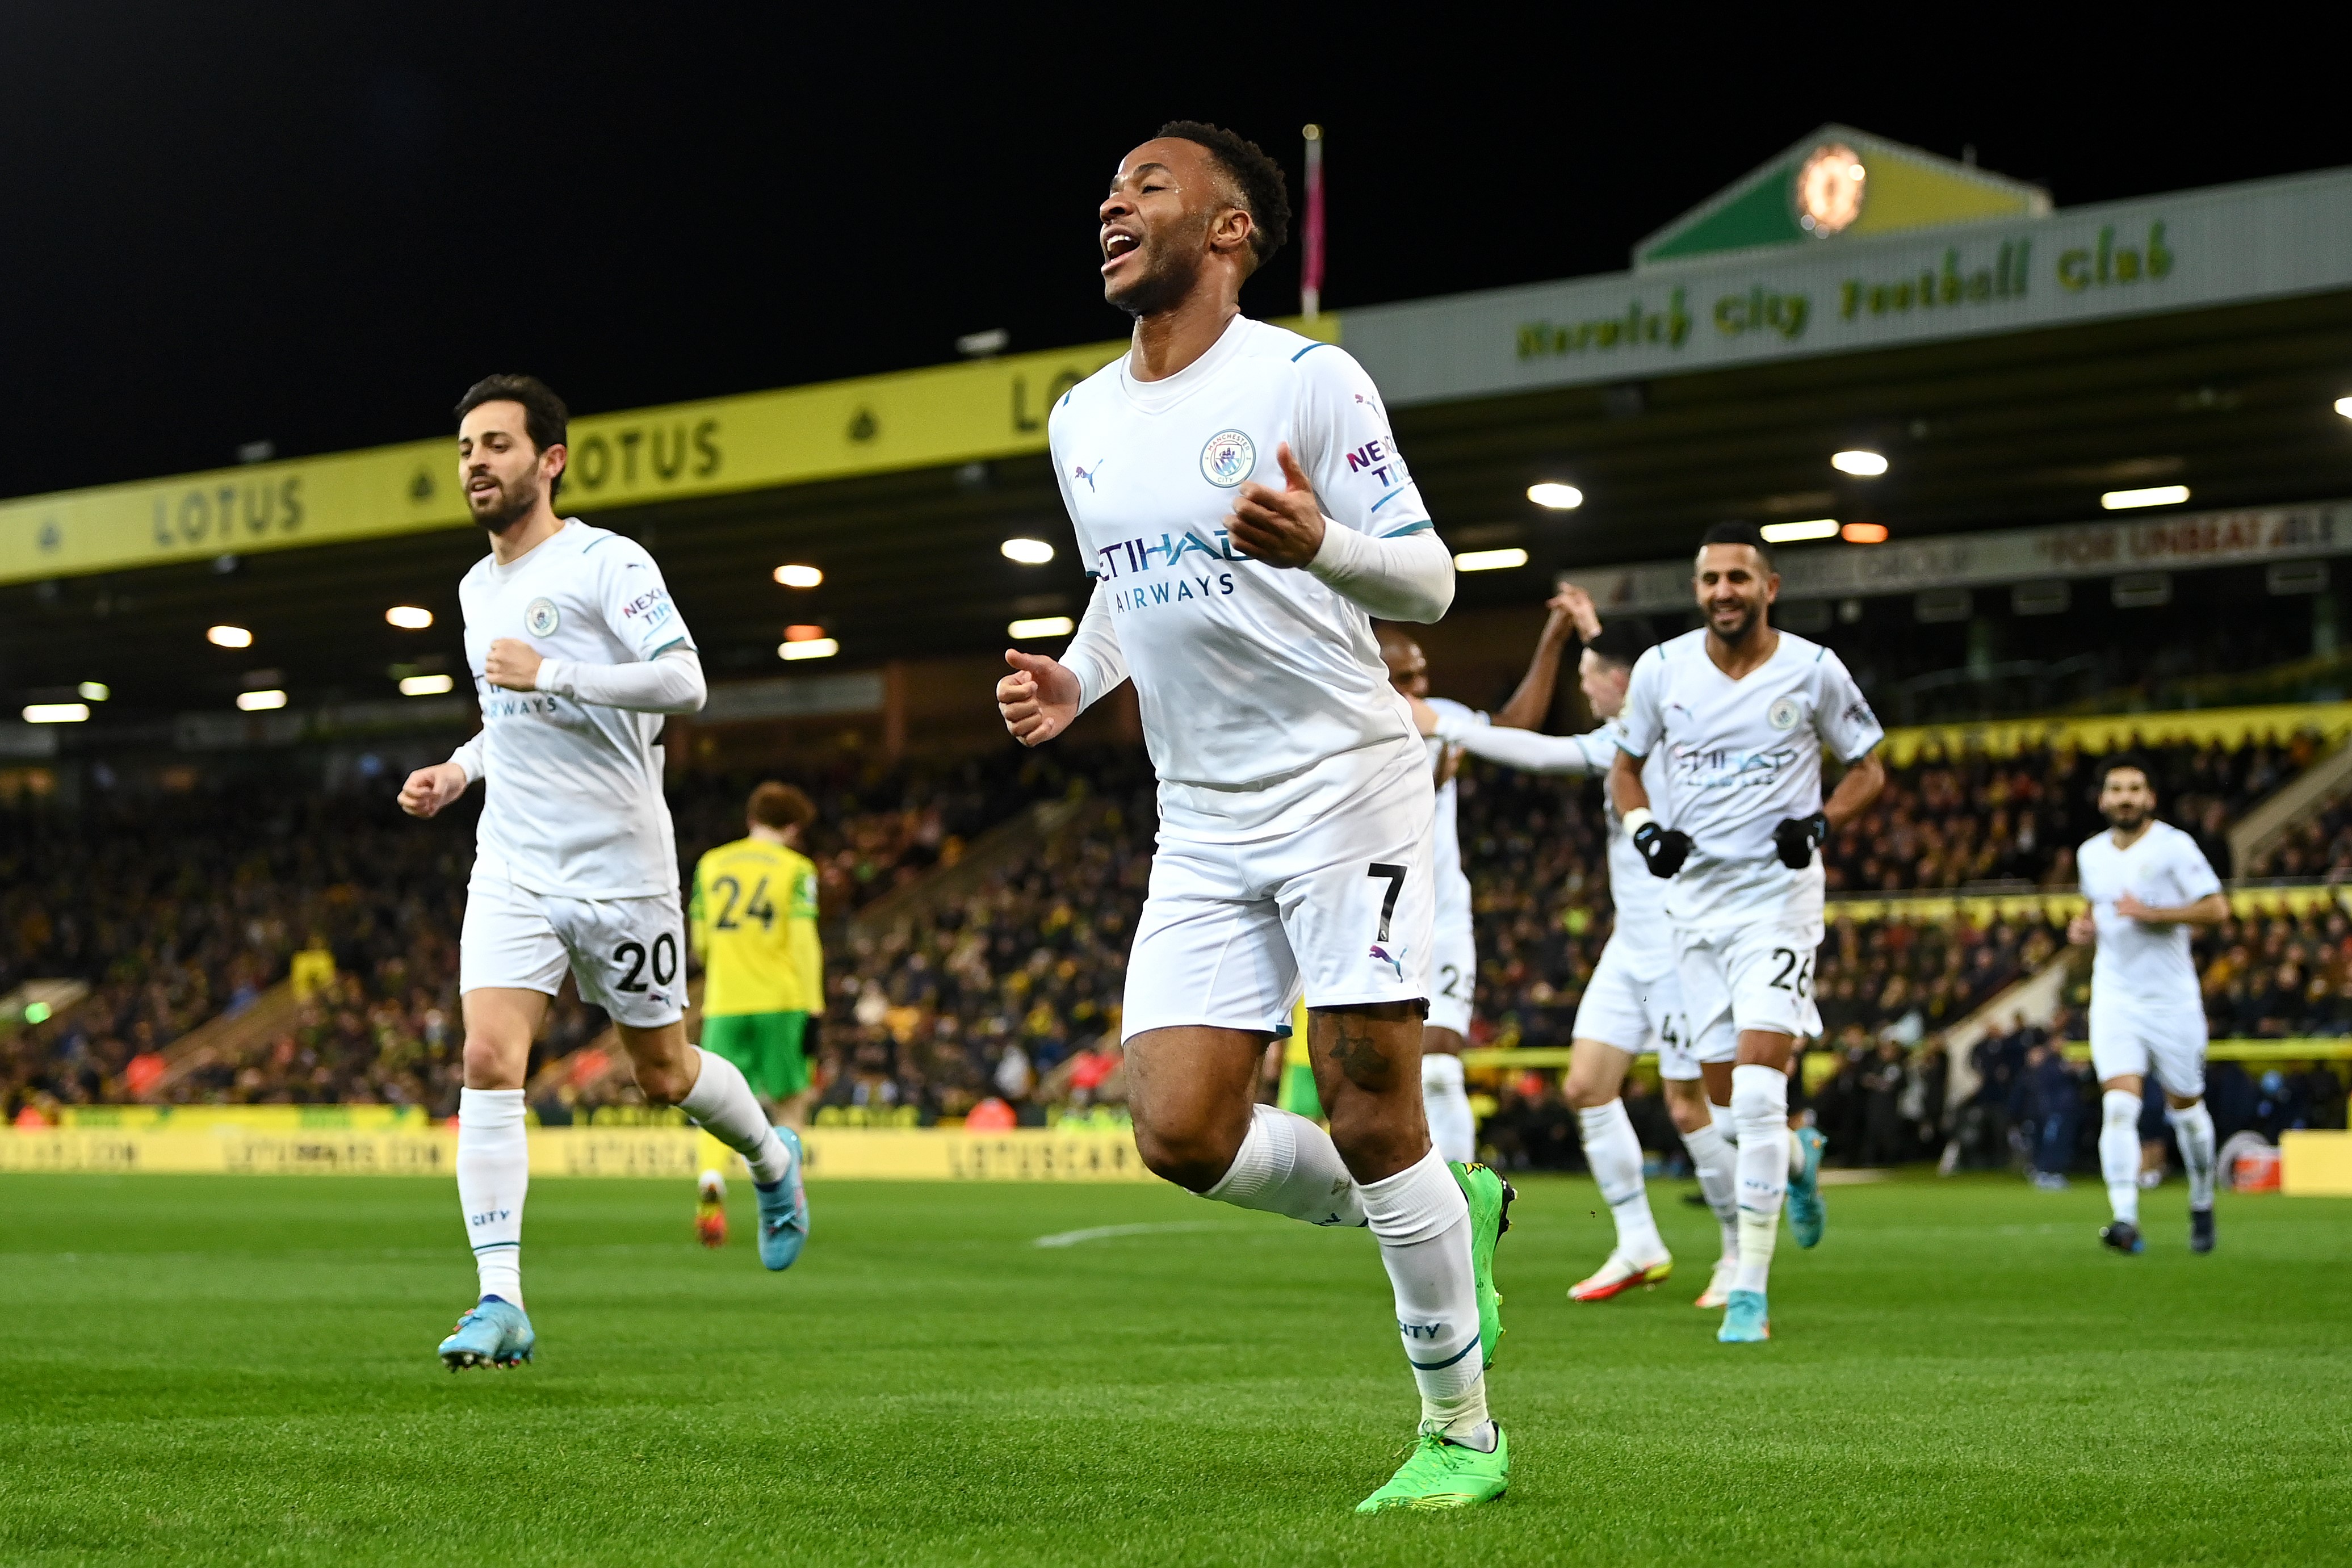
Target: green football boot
{"type": "Point", "coordinates": [1490, 1199]}
{"type": "Point", "coordinates": [1439, 1474]}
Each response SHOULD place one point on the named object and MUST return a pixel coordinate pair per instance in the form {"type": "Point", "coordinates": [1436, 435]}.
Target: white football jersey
{"type": "Point", "coordinates": [1741, 757]}
{"type": "Point", "coordinates": [1245, 672]}
{"type": "Point", "coordinates": [2145, 966]}
{"type": "Point", "coordinates": [1453, 881]}
{"type": "Point", "coordinates": [575, 801]}
{"type": "Point", "coordinates": [1639, 898]}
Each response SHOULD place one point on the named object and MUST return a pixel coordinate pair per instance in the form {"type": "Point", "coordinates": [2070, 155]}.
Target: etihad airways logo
{"type": "Point", "coordinates": [1135, 554]}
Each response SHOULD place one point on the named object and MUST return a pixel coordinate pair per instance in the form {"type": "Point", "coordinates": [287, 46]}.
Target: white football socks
{"type": "Point", "coordinates": [2119, 1151]}
{"type": "Point", "coordinates": [722, 1102]}
{"type": "Point", "coordinates": [1422, 1223]}
{"type": "Point", "coordinates": [2194, 1129]}
{"type": "Point", "coordinates": [1289, 1165]}
{"type": "Point", "coordinates": [1717, 1160]}
{"type": "Point", "coordinates": [1451, 1127]}
{"type": "Point", "coordinates": [493, 1176]}
{"type": "Point", "coordinates": [1759, 1108]}
{"type": "Point", "coordinates": [1615, 1155]}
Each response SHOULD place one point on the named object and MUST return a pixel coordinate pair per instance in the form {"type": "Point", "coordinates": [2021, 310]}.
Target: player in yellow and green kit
{"type": "Point", "coordinates": [753, 923]}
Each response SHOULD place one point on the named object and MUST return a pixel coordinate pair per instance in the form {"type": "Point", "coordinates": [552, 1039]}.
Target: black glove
{"type": "Point", "coordinates": [1662, 850]}
{"type": "Point", "coordinates": [1796, 837]}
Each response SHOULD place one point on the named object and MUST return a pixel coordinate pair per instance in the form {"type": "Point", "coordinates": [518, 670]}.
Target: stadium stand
{"type": "Point", "coordinates": [180, 907]}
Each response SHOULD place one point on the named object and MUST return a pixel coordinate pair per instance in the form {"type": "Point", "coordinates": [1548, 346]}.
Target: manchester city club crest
{"type": "Point", "coordinates": [1228, 458]}
{"type": "Point", "coordinates": [542, 618]}
{"type": "Point", "coordinates": [1783, 714]}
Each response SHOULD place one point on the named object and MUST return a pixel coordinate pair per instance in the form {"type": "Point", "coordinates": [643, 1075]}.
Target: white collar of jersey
{"type": "Point", "coordinates": [572, 530]}
{"type": "Point", "coordinates": [1158, 397]}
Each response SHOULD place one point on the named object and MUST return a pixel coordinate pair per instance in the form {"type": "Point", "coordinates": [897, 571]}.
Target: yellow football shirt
{"type": "Point", "coordinates": [753, 920]}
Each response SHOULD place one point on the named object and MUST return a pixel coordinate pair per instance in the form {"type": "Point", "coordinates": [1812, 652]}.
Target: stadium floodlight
{"type": "Point", "coordinates": [94, 691]}
{"type": "Point", "coordinates": [228, 636]}
{"type": "Point", "coordinates": [1790, 532]}
{"type": "Point", "coordinates": [812, 647]}
{"type": "Point", "coordinates": [36, 1012]}
{"type": "Point", "coordinates": [799, 576]}
{"type": "Point", "coordinates": [1028, 552]}
{"type": "Point", "coordinates": [409, 617]}
{"type": "Point", "coordinates": [1041, 626]}
{"type": "Point", "coordinates": [1489, 559]}
{"type": "Point", "coordinates": [428, 685]}
{"type": "Point", "coordinates": [57, 712]}
{"type": "Point", "coordinates": [1864, 534]}
{"type": "Point", "coordinates": [1557, 495]}
{"type": "Point", "coordinates": [1861, 464]}
{"type": "Point", "coordinates": [2344, 406]}
{"type": "Point", "coordinates": [2153, 495]}
{"type": "Point", "coordinates": [260, 702]}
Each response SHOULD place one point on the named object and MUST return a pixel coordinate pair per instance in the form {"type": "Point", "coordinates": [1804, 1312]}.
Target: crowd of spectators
{"type": "Point", "coordinates": [178, 906]}
{"type": "Point", "coordinates": [1975, 820]}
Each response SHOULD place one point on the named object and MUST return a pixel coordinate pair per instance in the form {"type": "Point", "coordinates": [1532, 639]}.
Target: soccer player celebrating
{"type": "Point", "coordinates": [1239, 502]}
{"type": "Point", "coordinates": [576, 651]}
{"type": "Point", "coordinates": [753, 921]}
{"type": "Point", "coordinates": [2147, 883]}
{"type": "Point", "coordinates": [1633, 996]}
{"type": "Point", "coordinates": [1454, 968]}
{"type": "Point", "coordinates": [1743, 712]}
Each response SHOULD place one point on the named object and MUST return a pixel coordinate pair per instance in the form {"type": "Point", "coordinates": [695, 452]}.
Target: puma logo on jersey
{"type": "Point", "coordinates": [1080, 471]}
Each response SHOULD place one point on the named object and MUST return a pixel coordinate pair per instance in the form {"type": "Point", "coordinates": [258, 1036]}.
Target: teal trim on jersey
{"type": "Point", "coordinates": [1391, 496]}
{"type": "Point", "coordinates": [1408, 528]}
{"type": "Point", "coordinates": [674, 642]}
{"type": "Point", "coordinates": [593, 544]}
{"type": "Point", "coordinates": [1309, 348]}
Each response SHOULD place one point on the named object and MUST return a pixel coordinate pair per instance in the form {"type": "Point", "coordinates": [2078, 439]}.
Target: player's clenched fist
{"type": "Point", "coordinates": [512, 665]}
{"type": "Point", "coordinates": [429, 789]}
{"type": "Point", "coordinates": [1038, 699]}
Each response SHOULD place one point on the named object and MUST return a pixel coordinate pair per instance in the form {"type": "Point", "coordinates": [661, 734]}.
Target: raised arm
{"type": "Point", "coordinates": [1592, 752]}
{"type": "Point", "coordinates": [1532, 700]}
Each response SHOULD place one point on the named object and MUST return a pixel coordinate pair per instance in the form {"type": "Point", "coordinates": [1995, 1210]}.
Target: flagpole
{"type": "Point", "coordinates": [1310, 265]}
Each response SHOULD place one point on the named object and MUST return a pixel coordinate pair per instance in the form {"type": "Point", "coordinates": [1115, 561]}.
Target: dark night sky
{"type": "Point", "coordinates": [317, 223]}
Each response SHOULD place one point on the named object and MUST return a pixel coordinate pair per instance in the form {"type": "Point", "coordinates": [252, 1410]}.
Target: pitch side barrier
{"type": "Point", "coordinates": [227, 1143]}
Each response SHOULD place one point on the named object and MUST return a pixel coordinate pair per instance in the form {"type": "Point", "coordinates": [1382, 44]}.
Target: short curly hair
{"type": "Point", "coordinates": [1266, 194]}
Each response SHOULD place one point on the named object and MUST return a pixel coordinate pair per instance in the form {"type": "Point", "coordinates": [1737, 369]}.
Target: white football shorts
{"type": "Point", "coordinates": [1635, 1001]}
{"type": "Point", "coordinates": [1749, 977]}
{"type": "Point", "coordinates": [627, 954]}
{"type": "Point", "coordinates": [1453, 974]}
{"type": "Point", "coordinates": [1335, 898]}
{"type": "Point", "coordinates": [2129, 1038]}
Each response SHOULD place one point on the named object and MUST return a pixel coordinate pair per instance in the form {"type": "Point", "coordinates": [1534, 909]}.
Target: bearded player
{"type": "Point", "coordinates": [2147, 883]}
{"type": "Point", "coordinates": [1634, 997]}
{"type": "Point", "coordinates": [577, 651]}
{"type": "Point", "coordinates": [1240, 504]}
{"type": "Point", "coordinates": [1455, 967]}
{"type": "Point", "coordinates": [1742, 713]}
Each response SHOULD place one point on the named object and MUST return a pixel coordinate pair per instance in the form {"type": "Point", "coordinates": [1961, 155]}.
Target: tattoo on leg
{"type": "Point", "coordinates": [1355, 1049]}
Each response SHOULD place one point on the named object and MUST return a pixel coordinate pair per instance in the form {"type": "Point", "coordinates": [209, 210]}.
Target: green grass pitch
{"type": "Point", "coordinates": [241, 1369]}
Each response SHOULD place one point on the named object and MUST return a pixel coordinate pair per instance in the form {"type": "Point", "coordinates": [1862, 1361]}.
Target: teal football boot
{"type": "Point", "coordinates": [494, 1332]}
{"type": "Point", "coordinates": [783, 1211]}
{"type": "Point", "coordinates": [1807, 1215]}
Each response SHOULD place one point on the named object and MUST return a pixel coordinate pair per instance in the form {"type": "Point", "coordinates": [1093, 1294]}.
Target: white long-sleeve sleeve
{"type": "Point", "coordinates": [1407, 578]}
{"type": "Point", "coordinates": [1094, 655]}
{"type": "Point", "coordinates": [669, 682]}
{"type": "Point", "coordinates": [469, 757]}
{"type": "Point", "coordinates": [1591, 752]}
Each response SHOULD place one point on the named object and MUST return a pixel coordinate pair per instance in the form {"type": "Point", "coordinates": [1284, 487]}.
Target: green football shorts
{"type": "Point", "coordinates": [766, 1047]}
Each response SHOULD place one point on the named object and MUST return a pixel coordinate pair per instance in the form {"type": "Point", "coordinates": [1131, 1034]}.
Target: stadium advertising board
{"type": "Point", "coordinates": [2263, 239]}
{"type": "Point", "coordinates": [2185, 540]}
{"type": "Point", "coordinates": [269, 1147]}
{"type": "Point", "coordinates": [922, 418]}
